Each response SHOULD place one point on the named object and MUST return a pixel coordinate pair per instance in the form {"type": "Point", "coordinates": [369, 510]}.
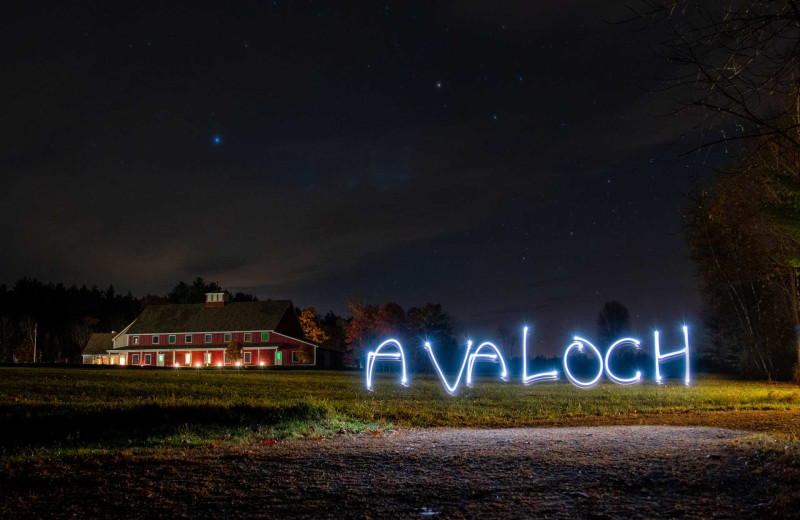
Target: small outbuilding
{"type": "Point", "coordinates": [96, 350]}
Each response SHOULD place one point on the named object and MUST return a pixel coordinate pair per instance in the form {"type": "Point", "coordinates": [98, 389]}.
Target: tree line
{"type": "Point", "coordinates": [59, 319]}
{"type": "Point", "coordinates": [737, 67]}
{"type": "Point", "coordinates": [63, 319]}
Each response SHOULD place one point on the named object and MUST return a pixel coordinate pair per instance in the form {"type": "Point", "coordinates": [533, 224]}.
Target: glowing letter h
{"type": "Point", "coordinates": [670, 355]}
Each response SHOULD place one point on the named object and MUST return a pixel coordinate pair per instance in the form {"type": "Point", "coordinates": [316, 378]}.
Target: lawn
{"type": "Point", "coordinates": [80, 409]}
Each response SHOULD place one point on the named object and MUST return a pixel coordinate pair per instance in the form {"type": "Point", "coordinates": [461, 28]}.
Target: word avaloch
{"type": "Point", "coordinates": [392, 350]}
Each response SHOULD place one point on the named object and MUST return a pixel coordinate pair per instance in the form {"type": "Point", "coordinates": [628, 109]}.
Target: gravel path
{"type": "Point", "coordinates": [605, 472]}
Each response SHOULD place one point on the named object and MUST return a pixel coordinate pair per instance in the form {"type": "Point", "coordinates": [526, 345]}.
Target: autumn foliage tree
{"type": "Point", "coordinates": [24, 352]}
{"type": "Point", "coordinates": [430, 323]}
{"type": "Point", "coordinates": [744, 236]}
{"type": "Point", "coordinates": [234, 351]}
{"type": "Point", "coordinates": [311, 326]}
{"type": "Point", "coordinates": [736, 64]}
{"type": "Point", "coordinates": [372, 323]}
{"type": "Point", "coordinates": [360, 332]}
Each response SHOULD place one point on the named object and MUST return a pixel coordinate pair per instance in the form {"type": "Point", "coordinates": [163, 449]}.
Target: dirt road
{"type": "Point", "coordinates": [608, 472]}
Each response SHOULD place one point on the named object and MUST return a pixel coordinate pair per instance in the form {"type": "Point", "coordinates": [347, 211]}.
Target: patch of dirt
{"type": "Point", "coordinates": [600, 472]}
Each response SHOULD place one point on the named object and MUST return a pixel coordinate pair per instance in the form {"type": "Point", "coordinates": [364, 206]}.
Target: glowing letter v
{"type": "Point", "coordinates": [450, 389]}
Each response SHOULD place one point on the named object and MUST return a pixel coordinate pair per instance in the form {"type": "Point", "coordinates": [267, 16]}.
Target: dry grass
{"type": "Point", "coordinates": [90, 409]}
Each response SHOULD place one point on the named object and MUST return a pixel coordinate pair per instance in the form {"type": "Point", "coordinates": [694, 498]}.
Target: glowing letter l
{"type": "Point", "coordinates": [535, 378]}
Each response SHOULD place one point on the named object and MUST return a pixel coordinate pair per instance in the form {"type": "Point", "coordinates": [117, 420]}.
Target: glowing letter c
{"type": "Point", "coordinates": [611, 375]}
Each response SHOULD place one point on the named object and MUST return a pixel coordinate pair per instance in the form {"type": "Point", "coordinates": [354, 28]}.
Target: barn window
{"type": "Point", "coordinates": [136, 340]}
{"type": "Point", "coordinates": [295, 357]}
{"type": "Point", "coordinates": [227, 338]}
{"type": "Point", "coordinates": [265, 336]}
{"type": "Point", "coordinates": [208, 358]}
{"type": "Point", "coordinates": [187, 338]}
{"type": "Point", "coordinates": [172, 339]}
{"type": "Point", "coordinates": [147, 358]}
{"type": "Point", "coordinates": [208, 338]}
{"type": "Point", "coordinates": [155, 340]}
{"type": "Point", "coordinates": [248, 337]}
{"type": "Point", "coordinates": [135, 359]}
{"type": "Point", "coordinates": [188, 358]}
{"type": "Point", "coordinates": [247, 357]}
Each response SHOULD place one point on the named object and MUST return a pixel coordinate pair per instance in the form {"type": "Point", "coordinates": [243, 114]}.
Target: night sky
{"type": "Point", "coordinates": [507, 162]}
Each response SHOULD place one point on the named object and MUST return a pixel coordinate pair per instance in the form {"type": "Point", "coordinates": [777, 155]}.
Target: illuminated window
{"type": "Point", "coordinates": [122, 360]}
{"type": "Point", "coordinates": [247, 357]}
{"type": "Point", "coordinates": [208, 358]}
{"type": "Point", "coordinates": [147, 358]}
{"type": "Point", "coordinates": [136, 340]}
{"type": "Point", "coordinates": [208, 338]}
{"type": "Point", "coordinates": [155, 340]}
{"type": "Point", "coordinates": [227, 338]}
{"type": "Point", "coordinates": [295, 357]}
{"type": "Point", "coordinates": [187, 338]}
{"type": "Point", "coordinates": [188, 358]}
{"type": "Point", "coordinates": [278, 356]}
{"type": "Point", "coordinates": [265, 337]}
{"type": "Point", "coordinates": [248, 337]}
{"type": "Point", "coordinates": [135, 359]}
{"type": "Point", "coordinates": [172, 339]}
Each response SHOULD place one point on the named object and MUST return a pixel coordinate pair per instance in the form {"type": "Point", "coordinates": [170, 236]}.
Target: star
{"type": "Point", "coordinates": [217, 139]}
{"type": "Point", "coordinates": [438, 84]}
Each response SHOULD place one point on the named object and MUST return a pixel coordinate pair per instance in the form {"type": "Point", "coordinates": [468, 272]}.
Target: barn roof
{"type": "Point", "coordinates": [99, 343]}
{"type": "Point", "coordinates": [200, 347]}
{"type": "Point", "coordinates": [196, 317]}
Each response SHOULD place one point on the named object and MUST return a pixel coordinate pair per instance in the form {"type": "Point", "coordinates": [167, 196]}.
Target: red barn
{"type": "Point", "coordinates": [197, 335]}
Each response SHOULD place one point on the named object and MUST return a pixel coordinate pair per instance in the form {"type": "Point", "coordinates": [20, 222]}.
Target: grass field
{"type": "Point", "coordinates": [69, 410]}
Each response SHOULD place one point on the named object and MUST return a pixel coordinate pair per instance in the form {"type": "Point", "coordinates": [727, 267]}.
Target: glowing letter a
{"type": "Point", "coordinates": [386, 356]}
{"type": "Point", "coordinates": [491, 357]}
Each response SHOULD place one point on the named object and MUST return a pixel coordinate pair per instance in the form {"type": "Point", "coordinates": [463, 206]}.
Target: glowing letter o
{"type": "Point", "coordinates": [579, 343]}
